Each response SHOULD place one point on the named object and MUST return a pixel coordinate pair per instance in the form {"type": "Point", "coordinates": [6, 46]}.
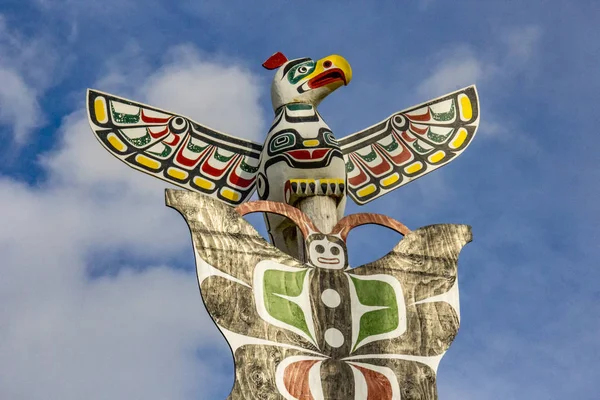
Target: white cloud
{"type": "Point", "coordinates": [27, 70]}
{"type": "Point", "coordinates": [457, 69]}
{"type": "Point", "coordinates": [460, 66]}
{"type": "Point", "coordinates": [134, 333]}
{"type": "Point", "coordinates": [19, 107]}
{"type": "Point", "coordinates": [213, 94]}
{"type": "Point", "coordinates": [522, 46]}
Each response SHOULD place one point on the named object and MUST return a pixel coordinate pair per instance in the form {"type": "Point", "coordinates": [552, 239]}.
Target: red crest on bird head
{"type": "Point", "coordinates": [275, 61]}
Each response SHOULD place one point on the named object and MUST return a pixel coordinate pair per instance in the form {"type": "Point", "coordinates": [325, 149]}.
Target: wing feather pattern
{"type": "Point", "coordinates": [174, 148]}
{"type": "Point", "coordinates": [409, 144]}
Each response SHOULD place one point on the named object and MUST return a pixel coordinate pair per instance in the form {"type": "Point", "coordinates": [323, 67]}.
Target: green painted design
{"type": "Point", "coordinates": [282, 141]}
{"type": "Point", "coordinates": [418, 147]}
{"type": "Point", "coordinates": [195, 148]}
{"type": "Point", "coordinates": [300, 71]}
{"type": "Point", "coordinates": [330, 139]}
{"type": "Point", "coordinates": [122, 118]}
{"type": "Point", "coordinates": [166, 151]}
{"type": "Point", "coordinates": [390, 147]}
{"type": "Point", "coordinates": [437, 138]}
{"type": "Point", "coordinates": [444, 116]}
{"type": "Point", "coordinates": [222, 158]}
{"type": "Point", "coordinates": [369, 157]}
{"type": "Point", "coordinates": [248, 168]}
{"type": "Point", "coordinates": [139, 141]}
{"type": "Point", "coordinates": [376, 294]}
{"type": "Point", "coordinates": [298, 106]}
{"type": "Point", "coordinates": [349, 166]}
{"type": "Point", "coordinates": [290, 284]}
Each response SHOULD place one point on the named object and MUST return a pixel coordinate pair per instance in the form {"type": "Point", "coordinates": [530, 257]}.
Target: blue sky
{"type": "Point", "coordinates": [98, 298]}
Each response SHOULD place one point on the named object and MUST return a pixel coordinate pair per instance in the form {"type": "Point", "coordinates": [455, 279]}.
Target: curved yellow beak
{"type": "Point", "coordinates": [332, 71]}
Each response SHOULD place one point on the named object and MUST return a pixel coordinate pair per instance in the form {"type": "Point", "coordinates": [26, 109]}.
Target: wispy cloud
{"type": "Point", "coordinates": [91, 280]}
{"type": "Point", "coordinates": [19, 106]}
{"type": "Point", "coordinates": [21, 84]}
{"type": "Point", "coordinates": [138, 331]}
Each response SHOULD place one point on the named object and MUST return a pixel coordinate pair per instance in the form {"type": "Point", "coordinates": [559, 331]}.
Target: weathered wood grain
{"type": "Point", "coordinates": [319, 329]}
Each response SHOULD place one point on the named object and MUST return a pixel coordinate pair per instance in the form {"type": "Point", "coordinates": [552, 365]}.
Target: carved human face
{"type": "Point", "coordinates": [326, 251]}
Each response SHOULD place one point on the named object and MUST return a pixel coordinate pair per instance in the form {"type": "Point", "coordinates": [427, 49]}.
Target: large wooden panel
{"type": "Point", "coordinates": [322, 330]}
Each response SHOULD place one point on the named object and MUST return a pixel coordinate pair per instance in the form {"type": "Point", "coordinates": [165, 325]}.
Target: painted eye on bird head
{"type": "Point", "coordinates": [301, 71]}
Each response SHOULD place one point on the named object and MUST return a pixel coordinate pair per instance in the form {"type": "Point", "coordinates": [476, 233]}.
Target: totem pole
{"type": "Point", "coordinates": [302, 323]}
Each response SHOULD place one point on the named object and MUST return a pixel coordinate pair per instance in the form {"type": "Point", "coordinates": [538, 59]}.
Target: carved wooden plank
{"type": "Point", "coordinates": [322, 330]}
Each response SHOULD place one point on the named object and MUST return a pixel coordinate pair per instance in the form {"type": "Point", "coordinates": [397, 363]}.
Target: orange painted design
{"type": "Point", "coordinates": [295, 379]}
{"type": "Point", "coordinates": [378, 385]}
{"type": "Point", "coordinates": [301, 220]}
{"type": "Point", "coordinates": [349, 222]}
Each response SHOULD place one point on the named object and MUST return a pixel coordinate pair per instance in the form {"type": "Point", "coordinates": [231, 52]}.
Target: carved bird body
{"type": "Point", "coordinates": [300, 155]}
{"type": "Point", "coordinates": [300, 151]}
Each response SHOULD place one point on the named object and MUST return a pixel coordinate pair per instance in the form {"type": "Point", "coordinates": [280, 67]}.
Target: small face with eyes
{"type": "Point", "coordinates": [326, 251]}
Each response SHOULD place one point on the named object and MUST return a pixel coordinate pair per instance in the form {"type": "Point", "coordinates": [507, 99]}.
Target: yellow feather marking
{"type": "Point", "coordinates": [390, 180]}
{"type": "Point", "coordinates": [148, 162]}
{"type": "Point", "coordinates": [414, 167]}
{"type": "Point", "coordinates": [366, 190]}
{"type": "Point", "coordinates": [459, 139]}
{"type": "Point", "coordinates": [311, 143]}
{"type": "Point", "coordinates": [466, 109]}
{"type": "Point", "coordinates": [100, 109]}
{"type": "Point", "coordinates": [203, 183]}
{"type": "Point", "coordinates": [335, 181]}
{"type": "Point", "coordinates": [177, 173]}
{"type": "Point", "coordinates": [232, 195]}
{"type": "Point", "coordinates": [437, 156]}
{"type": "Point", "coordinates": [116, 142]}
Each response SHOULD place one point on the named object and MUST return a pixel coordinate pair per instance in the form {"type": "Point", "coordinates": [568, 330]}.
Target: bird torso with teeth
{"type": "Point", "coordinates": [300, 147]}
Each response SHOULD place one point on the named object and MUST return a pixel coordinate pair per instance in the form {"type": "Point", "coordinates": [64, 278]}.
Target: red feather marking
{"type": "Point", "coordinates": [275, 61]}
{"type": "Point", "coordinates": [407, 137]}
{"type": "Point", "coordinates": [237, 180]}
{"type": "Point", "coordinates": [190, 162]}
{"type": "Point", "coordinates": [404, 155]}
{"type": "Point", "coordinates": [157, 135]}
{"type": "Point", "coordinates": [152, 120]}
{"type": "Point", "coordinates": [381, 168]}
{"type": "Point", "coordinates": [418, 130]}
{"type": "Point", "coordinates": [215, 172]}
{"type": "Point", "coordinates": [420, 117]}
{"type": "Point", "coordinates": [173, 141]}
{"type": "Point", "coordinates": [358, 180]}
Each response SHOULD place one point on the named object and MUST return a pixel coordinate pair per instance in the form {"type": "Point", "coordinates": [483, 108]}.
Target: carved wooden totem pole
{"type": "Point", "coordinates": [302, 323]}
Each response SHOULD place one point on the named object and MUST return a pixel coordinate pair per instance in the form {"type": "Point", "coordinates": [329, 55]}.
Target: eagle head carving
{"type": "Point", "coordinates": [304, 80]}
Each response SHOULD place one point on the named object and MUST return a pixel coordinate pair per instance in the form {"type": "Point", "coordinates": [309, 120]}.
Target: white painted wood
{"type": "Point", "coordinates": [322, 210]}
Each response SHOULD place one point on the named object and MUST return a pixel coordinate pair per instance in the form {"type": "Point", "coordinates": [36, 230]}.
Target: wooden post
{"type": "Point", "coordinates": [322, 210]}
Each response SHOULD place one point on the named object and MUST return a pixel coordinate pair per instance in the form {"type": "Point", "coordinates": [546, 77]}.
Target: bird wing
{"type": "Point", "coordinates": [409, 144]}
{"type": "Point", "coordinates": [174, 148]}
